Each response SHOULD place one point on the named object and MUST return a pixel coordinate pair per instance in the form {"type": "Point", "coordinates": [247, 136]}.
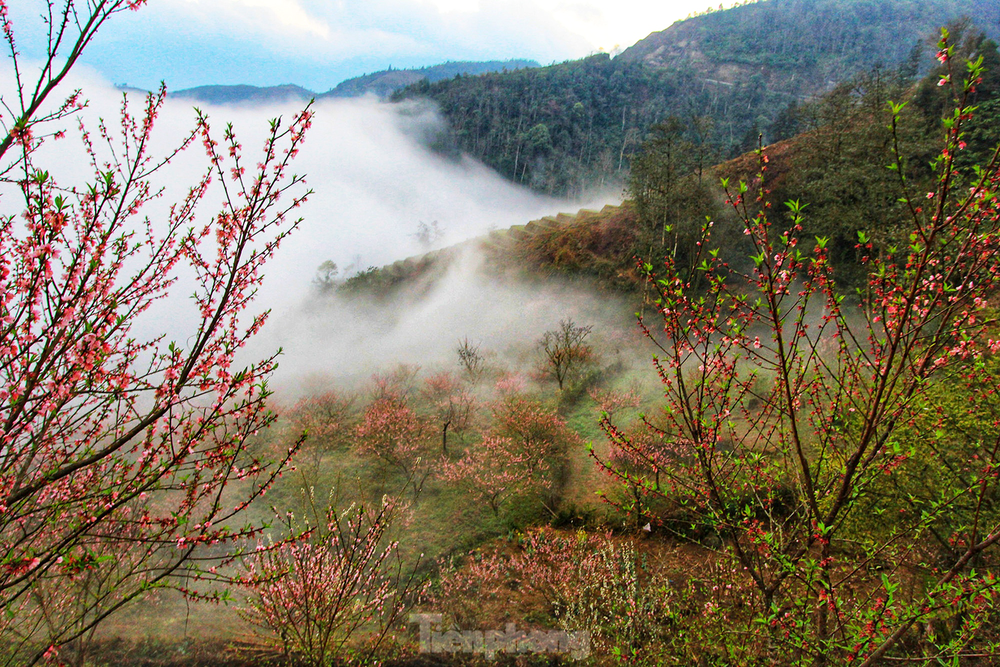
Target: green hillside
{"type": "Point", "coordinates": [727, 76]}
{"type": "Point", "coordinates": [804, 47]}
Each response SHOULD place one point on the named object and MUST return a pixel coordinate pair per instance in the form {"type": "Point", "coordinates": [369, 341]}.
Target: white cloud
{"type": "Point", "coordinates": [457, 5]}
{"type": "Point", "coordinates": [315, 43]}
{"type": "Point", "coordinates": [277, 15]}
{"type": "Point", "coordinates": [607, 24]}
{"type": "Point", "coordinates": [290, 14]}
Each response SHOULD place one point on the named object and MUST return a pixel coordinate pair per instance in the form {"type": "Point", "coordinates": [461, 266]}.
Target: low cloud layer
{"type": "Point", "coordinates": [375, 182]}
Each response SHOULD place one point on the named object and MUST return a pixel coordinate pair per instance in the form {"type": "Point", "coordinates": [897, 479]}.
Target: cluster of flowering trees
{"type": "Point", "coordinates": [512, 444]}
{"type": "Point", "coordinates": [331, 588]}
{"type": "Point", "coordinates": [326, 419]}
{"type": "Point", "coordinates": [521, 452]}
{"type": "Point", "coordinates": [795, 414]}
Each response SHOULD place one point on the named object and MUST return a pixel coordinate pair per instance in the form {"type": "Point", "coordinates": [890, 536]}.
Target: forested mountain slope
{"type": "Point", "coordinates": [726, 76]}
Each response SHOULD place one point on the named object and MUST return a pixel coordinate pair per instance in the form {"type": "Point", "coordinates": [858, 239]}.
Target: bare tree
{"type": "Point", "coordinates": [471, 359]}
{"type": "Point", "coordinates": [565, 350]}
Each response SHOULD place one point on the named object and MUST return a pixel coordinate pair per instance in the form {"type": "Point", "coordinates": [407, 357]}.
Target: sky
{"type": "Point", "coordinates": [318, 43]}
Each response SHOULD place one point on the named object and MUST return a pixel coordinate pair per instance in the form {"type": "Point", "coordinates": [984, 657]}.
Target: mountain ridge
{"type": "Point", "coordinates": [382, 83]}
{"type": "Point", "coordinates": [244, 94]}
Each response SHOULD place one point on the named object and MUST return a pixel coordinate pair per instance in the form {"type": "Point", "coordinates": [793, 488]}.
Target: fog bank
{"type": "Point", "coordinates": [346, 339]}
{"type": "Point", "coordinates": [376, 184]}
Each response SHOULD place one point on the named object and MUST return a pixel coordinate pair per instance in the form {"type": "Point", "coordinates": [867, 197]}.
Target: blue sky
{"type": "Point", "coordinates": [318, 43]}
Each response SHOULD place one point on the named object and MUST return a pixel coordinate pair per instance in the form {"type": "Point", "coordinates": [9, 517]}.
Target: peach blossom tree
{"type": "Point", "coordinates": [113, 442]}
{"type": "Point", "coordinates": [790, 406]}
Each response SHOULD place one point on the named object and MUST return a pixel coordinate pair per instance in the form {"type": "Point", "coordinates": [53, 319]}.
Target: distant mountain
{"type": "Point", "coordinates": [724, 77]}
{"type": "Point", "coordinates": [132, 90]}
{"type": "Point", "coordinates": [241, 94]}
{"type": "Point", "coordinates": [388, 81]}
{"type": "Point", "coordinates": [382, 84]}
